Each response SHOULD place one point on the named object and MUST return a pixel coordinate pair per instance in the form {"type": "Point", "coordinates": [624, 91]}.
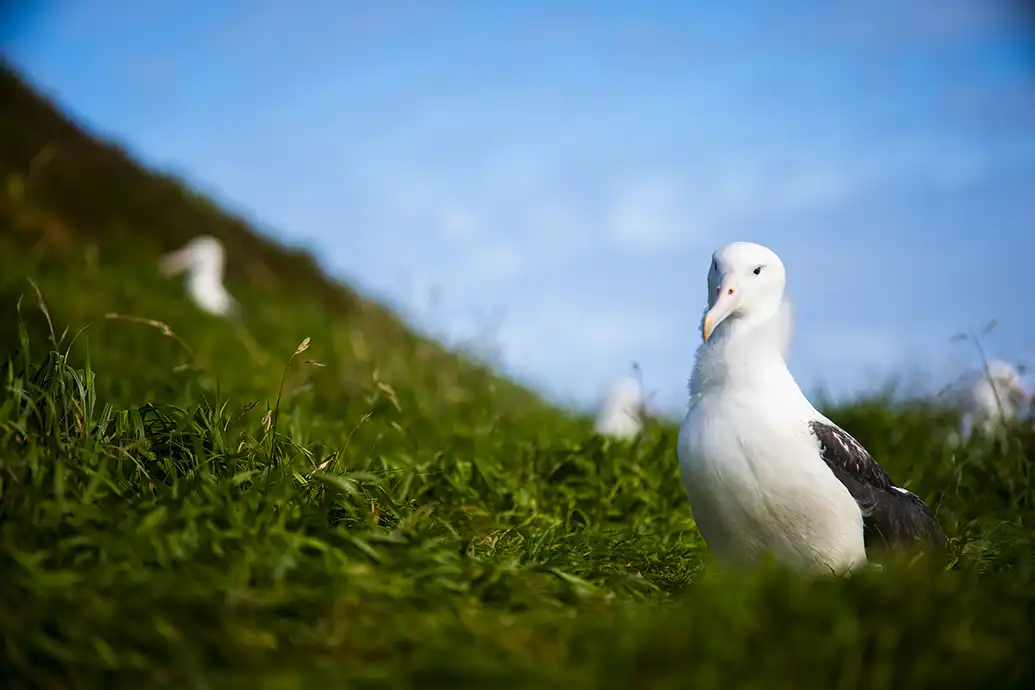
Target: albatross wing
{"type": "Point", "coordinates": [892, 516]}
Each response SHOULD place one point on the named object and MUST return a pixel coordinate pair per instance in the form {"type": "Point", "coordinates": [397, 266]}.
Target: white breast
{"type": "Point", "coordinates": [209, 294]}
{"type": "Point", "coordinates": [757, 485]}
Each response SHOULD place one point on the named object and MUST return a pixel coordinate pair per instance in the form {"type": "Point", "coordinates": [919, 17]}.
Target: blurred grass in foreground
{"type": "Point", "coordinates": [399, 515]}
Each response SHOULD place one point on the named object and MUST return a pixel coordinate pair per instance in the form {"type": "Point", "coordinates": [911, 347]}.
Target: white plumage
{"type": "Point", "coordinates": [203, 259]}
{"type": "Point", "coordinates": [993, 396]}
{"type": "Point", "coordinates": [785, 327]}
{"type": "Point", "coordinates": [764, 471]}
{"type": "Point", "coordinates": [621, 415]}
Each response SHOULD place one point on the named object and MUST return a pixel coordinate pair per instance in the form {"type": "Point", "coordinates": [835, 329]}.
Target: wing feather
{"type": "Point", "coordinates": [892, 516]}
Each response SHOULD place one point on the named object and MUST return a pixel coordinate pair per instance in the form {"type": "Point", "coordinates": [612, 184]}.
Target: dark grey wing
{"type": "Point", "coordinates": [892, 516]}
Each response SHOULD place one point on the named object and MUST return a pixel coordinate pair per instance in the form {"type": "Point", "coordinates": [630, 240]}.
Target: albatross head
{"type": "Point", "coordinates": [623, 412]}
{"type": "Point", "coordinates": [204, 255]}
{"type": "Point", "coordinates": [746, 280]}
{"type": "Point", "coordinates": [1007, 381]}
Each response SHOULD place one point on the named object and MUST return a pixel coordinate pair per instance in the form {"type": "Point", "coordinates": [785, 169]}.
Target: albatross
{"type": "Point", "coordinates": [203, 259]}
{"type": "Point", "coordinates": [764, 471]}
{"type": "Point", "coordinates": [996, 395]}
{"type": "Point", "coordinates": [622, 414]}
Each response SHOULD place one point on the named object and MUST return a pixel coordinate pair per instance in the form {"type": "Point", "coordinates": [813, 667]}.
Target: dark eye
{"type": "Point", "coordinates": [715, 266]}
{"type": "Point", "coordinates": [758, 270]}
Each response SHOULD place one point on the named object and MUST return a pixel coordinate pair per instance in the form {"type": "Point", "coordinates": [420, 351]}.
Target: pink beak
{"type": "Point", "coordinates": [727, 298]}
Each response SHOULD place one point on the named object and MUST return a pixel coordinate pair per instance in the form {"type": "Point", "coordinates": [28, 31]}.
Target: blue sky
{"type": "Point", "coordinates": [559, 173]}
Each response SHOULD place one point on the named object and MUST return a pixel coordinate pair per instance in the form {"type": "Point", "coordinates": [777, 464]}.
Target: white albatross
{"type": "Point", "coordinates": [203, 258]}
{"type": "Point", "coordinates": [622, 413]}
{"type": "Point", "coordinates": [996, 394]}
{"type": "Point", "coordinates": [764, 471]}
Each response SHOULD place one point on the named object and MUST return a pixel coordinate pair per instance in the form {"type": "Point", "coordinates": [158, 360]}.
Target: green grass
{"type": "Point", "coordinates": [400, 516]}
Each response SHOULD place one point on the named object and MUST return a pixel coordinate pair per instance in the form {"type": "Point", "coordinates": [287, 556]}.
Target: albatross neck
{"type": "Point", "coordinates": [748, 351]}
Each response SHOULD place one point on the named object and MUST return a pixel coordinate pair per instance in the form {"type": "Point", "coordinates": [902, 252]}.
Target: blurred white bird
{"type": "Point", "coordinates": [995, 394]}
{"type": "Point", "coordinates": [203, 258]}
{"type": "Point", "coordinates": [623, 412]}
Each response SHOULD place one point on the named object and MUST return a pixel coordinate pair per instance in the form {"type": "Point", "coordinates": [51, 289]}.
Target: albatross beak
{"type": "Point", "coordinates": [727, 297]}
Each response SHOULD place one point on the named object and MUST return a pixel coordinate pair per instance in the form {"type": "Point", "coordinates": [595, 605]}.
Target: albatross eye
{"type": "Point", "coordinates": [758, 270]}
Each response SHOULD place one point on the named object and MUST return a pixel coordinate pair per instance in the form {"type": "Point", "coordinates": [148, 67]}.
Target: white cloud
{"type": "Point", "coordinates": [499, 261]}
{"type": "Point", "coordinates": [809, 189]}
{"type": "Point", "coordinates": [648, 215]}
{"type": "Point", "coordinates": [662, 211]}
{"type": "Point", "coordinates": [558, 227]}
{"type": "Point", "coordinates": [849, 359]}
{"type": "Point", "coordinates": [460, 223]}
{"type": "Point", "coordinates": [558, 336]}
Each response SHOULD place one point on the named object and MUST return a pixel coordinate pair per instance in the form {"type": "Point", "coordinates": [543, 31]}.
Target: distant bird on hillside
{"type": "Point", "coordinates": [994, 395]}
{"type": "Point", "coordinates": [203, 259]}
{"type": "Point", "coordinates": [623, 412]}
{"type": "Point", "coordinates": [765, 472]}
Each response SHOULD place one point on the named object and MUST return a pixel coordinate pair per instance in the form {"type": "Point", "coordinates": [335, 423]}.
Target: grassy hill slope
{"type": "Point", "coordinates": [399, 516]}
